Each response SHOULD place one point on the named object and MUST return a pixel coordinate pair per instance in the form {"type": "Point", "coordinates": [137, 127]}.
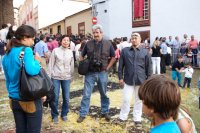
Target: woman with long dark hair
{"type": "Point", "coordinates": [27, 114]}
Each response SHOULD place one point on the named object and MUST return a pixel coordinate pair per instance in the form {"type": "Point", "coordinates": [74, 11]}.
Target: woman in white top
{"type": "Point", "coordinates": [61, 69]}
{"type": "Point", "coordinates": [185, 122]}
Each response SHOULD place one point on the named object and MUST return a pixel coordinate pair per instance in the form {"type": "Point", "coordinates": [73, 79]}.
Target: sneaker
{"type": "Point", "coordinates": [119, 121]}
{"type": "Point", "coordinates": [55, 120]}
{"type": "Point", "coordinates": [138, 124]}
{"type": "Point", "coordinates": [106, 116]}
{"type": "Point", "coordinates": [180, 86]}
{"type": "Point", "coordinates": [80, 119]}
{"type": "Point", "coordinates": [64, 118]}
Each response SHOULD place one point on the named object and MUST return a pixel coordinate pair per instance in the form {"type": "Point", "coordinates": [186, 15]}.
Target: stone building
{"type": "Point", "coordinates": [6, 12]}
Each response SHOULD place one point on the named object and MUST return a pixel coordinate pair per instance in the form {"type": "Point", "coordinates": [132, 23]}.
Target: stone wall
{"type": "Point", "coordinates": [6, 12]}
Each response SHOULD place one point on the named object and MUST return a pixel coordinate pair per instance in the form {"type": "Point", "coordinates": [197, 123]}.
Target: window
{"type": "Point", "coordinates": [69, 30]}
{"type": "Point", "coordinates": [144, 35]}
{"type": "Point", "coordinates": [59, 29]}
{"type": "Point", "coordinates": [141, 13]}
{"type": "Point", "coordinates": [81, 28]}
{"type": "Point", "coordinates": [51, 31]}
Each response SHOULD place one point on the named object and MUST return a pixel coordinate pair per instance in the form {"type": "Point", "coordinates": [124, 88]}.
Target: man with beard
{"type": "Point", "coordinates": [101, 54]}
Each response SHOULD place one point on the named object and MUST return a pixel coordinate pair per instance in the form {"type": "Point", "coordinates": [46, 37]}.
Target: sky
{"type": "Point", "coordinates": [17, 3]}
{"type": "Point", "coordinates": [61, 9]}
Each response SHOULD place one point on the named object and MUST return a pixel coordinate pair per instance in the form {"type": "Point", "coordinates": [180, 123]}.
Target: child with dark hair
{"type": "Point", "coordinates": [177, 68]}
{"type": "Point", "coordinates": [161, 99]}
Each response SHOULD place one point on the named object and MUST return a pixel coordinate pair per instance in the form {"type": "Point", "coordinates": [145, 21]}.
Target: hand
{"type": "Point", "coordinates": [4, 48]}
{"type": "Point", "coordinates": [37, 57]}
{"type": "Point", "coordinates": [44, 98]}
{"type": "Point", "coordinates": [107, 69]}
{"type": "Point", "coordinates": [121, 82]}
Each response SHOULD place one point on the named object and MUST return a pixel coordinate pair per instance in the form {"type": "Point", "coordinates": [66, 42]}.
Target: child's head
{"type": "Point", "coordinates": [189, 65]}
{"type": "Point", "coordinates": [160, 96]}
{"type": "Point", "coordinates": [180, 58]}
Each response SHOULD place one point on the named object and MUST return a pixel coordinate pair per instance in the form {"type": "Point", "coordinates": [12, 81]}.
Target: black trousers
{"type": "Point", "coordinates": [187, 81]}
{"type": "Point", "coordinates": [163, 63]}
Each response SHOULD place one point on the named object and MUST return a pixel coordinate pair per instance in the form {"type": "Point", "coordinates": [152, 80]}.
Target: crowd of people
{"type": "Point", "coordinates": [139, 66]}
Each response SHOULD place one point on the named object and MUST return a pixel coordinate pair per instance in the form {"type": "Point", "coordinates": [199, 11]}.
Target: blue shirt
{"type": "Point", "coordinates": [41, 48]}
{"type": "Point", "coordinates": [164, 48]}
{"type": "Point", "coordinates": [167, 127]}
{"type": "Point", "coordinates": [135, 65]}
{"type": "Point", "coordinates": [11, 66]}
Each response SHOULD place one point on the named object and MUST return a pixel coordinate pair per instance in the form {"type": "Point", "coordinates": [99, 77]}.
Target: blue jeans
{"type": "Point", "coordinates": [176, 74]}
{"type": "Point", "coordinates": [101, 78]}
{"type": "Point", "coordinates": [27, 122]}
{"type": "Point", "coordinates": [65, 86]}
{"type": "Point", "coordinates": [194, 57]}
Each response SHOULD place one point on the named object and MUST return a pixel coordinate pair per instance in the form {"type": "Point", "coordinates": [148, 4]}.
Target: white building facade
{"type": "Point", "coordinates": [160, 18]}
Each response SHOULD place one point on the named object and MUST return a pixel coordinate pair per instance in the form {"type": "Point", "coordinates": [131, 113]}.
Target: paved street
{"type": "Point", "coordinates": [2, 77]}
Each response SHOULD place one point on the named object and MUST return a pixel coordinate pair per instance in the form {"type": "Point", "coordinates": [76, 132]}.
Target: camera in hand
{"type": "Point", "coordinates": [97, 65]}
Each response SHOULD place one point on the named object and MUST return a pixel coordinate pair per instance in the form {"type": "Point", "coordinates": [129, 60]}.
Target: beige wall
{"type": "Point", "coordinates": [54, 27]}
{"type": "Point", "coordinates": [74, 20]}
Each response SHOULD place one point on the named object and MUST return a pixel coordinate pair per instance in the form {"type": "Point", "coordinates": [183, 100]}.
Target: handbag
{"type": "Point", "coordinates": [83, 66]}
{"type": "Point", "coordinates": [33, 87]}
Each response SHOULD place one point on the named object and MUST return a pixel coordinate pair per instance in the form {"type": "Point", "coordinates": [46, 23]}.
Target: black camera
{"type": "Point", "coordinates": [97, 64]}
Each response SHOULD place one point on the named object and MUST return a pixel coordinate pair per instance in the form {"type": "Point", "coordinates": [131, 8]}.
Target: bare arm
{"type": "Point", "coordinates": [185, 125]}
{"type": "Point", "coordinates": [81, 58]}
{"type": "Point", "coordinates": [112, 61]}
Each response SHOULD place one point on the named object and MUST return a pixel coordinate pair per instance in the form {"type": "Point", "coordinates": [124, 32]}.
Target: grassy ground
{"type": "Point", "coordinates": [95, 124]}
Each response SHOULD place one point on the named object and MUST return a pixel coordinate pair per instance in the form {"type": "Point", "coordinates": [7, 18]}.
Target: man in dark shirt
{"type": "Point", "coordinates": [135, 67]}
{"type": "Point", "coordinates": [177, 68]}
{"type": "Point", "coordinates": [102, 56]}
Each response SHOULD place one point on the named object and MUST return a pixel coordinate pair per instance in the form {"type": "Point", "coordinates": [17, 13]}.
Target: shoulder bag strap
{"type": "Point", "coordinates": [21, 57]}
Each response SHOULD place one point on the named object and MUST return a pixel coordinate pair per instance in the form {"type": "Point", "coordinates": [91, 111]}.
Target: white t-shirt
{"type": "Point", "coordinates": [169, 50]}
{"type": "Point", "coordinates": [3, 34]}
{"type": "Point", "coordinates": [185, 41]}
{"type": "Point", "coordinates": [123, 45]}
{"type": "Point", "coordinates": [188, 72]}
{"type": "Point", "coordinates": [77, 47]}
